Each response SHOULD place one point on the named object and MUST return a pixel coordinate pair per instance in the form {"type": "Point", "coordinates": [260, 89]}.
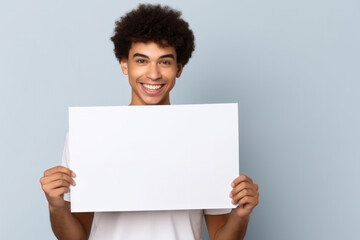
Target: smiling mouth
{"type": "Point", "coordinates": [152, 87]}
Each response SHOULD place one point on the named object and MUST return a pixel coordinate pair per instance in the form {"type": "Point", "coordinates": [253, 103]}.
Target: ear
{"type": "Point", "coordinates": [179, 70]}
{"type": "Point", "coordinates": [124, 66]}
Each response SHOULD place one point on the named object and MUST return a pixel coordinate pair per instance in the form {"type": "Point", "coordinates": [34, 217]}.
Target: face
{"type": "Point", "coordinates": [152, 71]}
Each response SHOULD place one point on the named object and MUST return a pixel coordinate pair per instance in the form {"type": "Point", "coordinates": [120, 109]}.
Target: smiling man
{"type": "Point", "coordinates": [152, 71]}
{"type": "Point", "coordinates": [153, 44]}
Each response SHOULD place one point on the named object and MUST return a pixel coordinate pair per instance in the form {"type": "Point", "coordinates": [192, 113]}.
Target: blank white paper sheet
{"type": "Point", "coordinates": [142, 158]}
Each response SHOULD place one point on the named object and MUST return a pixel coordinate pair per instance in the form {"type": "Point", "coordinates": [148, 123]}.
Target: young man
{"type": "Point", "coordinates": [152, 44]}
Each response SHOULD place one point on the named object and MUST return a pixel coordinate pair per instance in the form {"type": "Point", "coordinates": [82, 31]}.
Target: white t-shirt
{"type": "Point", "coordinates": [167, 225]}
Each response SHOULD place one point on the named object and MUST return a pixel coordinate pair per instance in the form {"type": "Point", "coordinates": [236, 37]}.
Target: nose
{"type": "Point", "coordinates": [153, 72]}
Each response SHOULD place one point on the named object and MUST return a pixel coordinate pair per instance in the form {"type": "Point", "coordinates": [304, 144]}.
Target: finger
{"type": "Point", "coordinates": [59, 192]}
{"type": "Point", "coordinates": [244, 189]}
{"type": "Point", "coordinates": [252, 199]}
{"type": "Point", "coordinates": [248, 202]}
{"type": "Point", "coordinates": [243, 185]}
{"type": "Point", "coordinates": [240, 179]}
{"type": "Point", "coordinates": [57, 176]}
{"type": "Point", "coordinates": [236, 198]}
{"type": "Point", "coordinates": [60, 169]}
{"type": "Point", "coordinates": [48, 188]}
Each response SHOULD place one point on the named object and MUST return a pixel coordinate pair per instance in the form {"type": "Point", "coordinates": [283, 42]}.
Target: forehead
{"type": "Point", "coordinates": [151, 49]}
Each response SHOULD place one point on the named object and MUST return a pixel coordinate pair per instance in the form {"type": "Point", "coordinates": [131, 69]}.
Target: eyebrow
{"type": "Point", "coordinates": [163, 56]}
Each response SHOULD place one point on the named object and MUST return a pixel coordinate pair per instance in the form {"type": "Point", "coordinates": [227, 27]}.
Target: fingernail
{"type": "Point", "coordinates": [73, 174]}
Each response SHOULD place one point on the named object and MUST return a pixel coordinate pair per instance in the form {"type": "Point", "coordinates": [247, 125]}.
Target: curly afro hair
{"type": "Point", "coordinates": [153, 23]}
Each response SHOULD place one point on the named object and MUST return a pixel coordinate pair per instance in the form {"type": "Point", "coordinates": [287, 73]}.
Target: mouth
{"type": "Point", "coordinates": [152, 87]}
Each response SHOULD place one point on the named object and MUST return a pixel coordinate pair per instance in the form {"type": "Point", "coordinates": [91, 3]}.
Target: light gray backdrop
{"type": "Point", "coordinates": [293, 67]}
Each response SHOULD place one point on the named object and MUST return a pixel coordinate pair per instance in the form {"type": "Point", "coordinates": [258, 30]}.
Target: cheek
{"type": "Point", "coordinates": [172, 79]}
{"type": "Point", "coordinates": [172, 84]}
{"type": "Point", "coordinates": [171, 74]}
{"type": "Point", "coordinates": [134, 74]}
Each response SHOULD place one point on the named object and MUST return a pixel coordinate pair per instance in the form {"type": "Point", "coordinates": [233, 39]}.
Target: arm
{"type": "Point", "coordinates": [66, 225]}
{"type": "Point", "coordinates": [233, 226]}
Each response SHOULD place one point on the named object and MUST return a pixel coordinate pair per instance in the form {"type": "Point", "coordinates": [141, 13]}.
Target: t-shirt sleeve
{"type": "Point", "coordinates": [217, 211]}
{"type": "Point", "coordinates": [65, 162]}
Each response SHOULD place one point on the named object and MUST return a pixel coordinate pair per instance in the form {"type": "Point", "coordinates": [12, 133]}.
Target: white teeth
{"type": "Point", "coordinates": [152, 87]}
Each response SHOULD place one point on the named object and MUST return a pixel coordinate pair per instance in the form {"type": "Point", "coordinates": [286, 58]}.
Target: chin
{"type": "Point", "coordinates": [155, 101]}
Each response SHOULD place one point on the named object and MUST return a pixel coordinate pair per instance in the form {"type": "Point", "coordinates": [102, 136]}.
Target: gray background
{"type": "Point", "coordinates": [293, 67]}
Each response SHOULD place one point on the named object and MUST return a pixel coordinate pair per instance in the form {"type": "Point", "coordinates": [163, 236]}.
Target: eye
{"type": "Point", "coordinates": [141, 61]}
{"type": "Point", "coordinates": [165, 62]}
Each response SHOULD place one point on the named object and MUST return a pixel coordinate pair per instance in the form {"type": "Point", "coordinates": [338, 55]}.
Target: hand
{"type": "Point", "coordinates": [55, 182]}
{"type": "Point", "coordinates": [245, 194]}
